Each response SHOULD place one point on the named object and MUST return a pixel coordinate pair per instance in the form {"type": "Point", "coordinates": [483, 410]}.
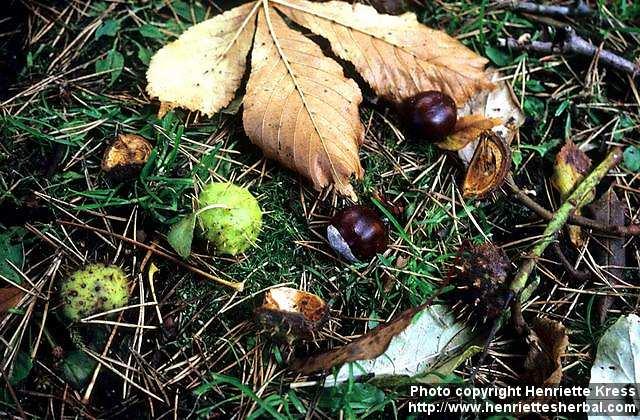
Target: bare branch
{"type": "Point", "coordinates": [579, 10]}
{"type": "Point", "coordinates": [573, 43]}
{"type": "Point", "coordinates": [522, 197]}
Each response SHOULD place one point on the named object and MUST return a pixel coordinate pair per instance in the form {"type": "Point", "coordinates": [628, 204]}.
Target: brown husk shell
{"type": "Point", "coordinates": [292, 313]}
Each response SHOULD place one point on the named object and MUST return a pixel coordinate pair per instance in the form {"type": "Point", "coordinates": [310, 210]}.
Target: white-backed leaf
{"type": "Point", "coordinates": [618, 362]}
{"type": "Point", "coordinates": [433, 338]}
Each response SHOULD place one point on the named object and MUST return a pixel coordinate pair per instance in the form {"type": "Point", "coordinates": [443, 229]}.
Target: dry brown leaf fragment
{"type": "Point", "coordinates": [548, 342]}
{"type": "Point", "coordinates": [389, 7]}
{"type": "Point", "coordinates": [288, 310]}
{"type": "Point", "coordinates": [488, 167]}
{"type": "Point", "coordinates": [468, 128]}
{"type": "Point", "coordinates": [203, 68]}
{"type": "Point", "coordinates": [10, 296]}
{"type": "Point", "coordinates": [608, 251]}
{"type": "Point", "coordinates": [397, 55]}
{"type": "Point", "coordinates": [300, 109]}
{"type": "Point", "coordinates": [367, 346]}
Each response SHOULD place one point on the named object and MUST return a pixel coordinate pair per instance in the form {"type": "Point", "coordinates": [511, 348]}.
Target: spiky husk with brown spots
{"type": "Point", "coordinates": [94, 289]}
{"type": "Point", "coordinates": [234, 225]}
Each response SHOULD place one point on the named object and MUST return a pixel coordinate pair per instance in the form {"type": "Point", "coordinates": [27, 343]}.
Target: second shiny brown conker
{"type": "Point", "coordinates": [357, 233]}
{"type": "Point", "coordinates": [430, 115]}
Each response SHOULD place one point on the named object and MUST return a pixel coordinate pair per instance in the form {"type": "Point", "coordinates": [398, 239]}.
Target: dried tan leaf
{"type": "Point", "coordinates": [500, 103]}
{"type": "Point", "coordinates": [548, 342]}
{"type": "Point", "coordinates": [467, 129]}
{"type": "Point", "coordinates": [202, 70]}
{"type": "Point", "coordinates": [367, 346]}
{"type": "Point", "coordinates": [396, 55]}
{"type": "Point", "coordinates": [300, 109]}
{"type": "Point", "coordinates": [10, 296]}
{"type": "Point", "coordinates": [489, 166]}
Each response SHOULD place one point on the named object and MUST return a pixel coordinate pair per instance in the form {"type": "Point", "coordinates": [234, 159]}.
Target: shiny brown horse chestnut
{"type": "Point", "coordinates": [430, 115]}
{"type": "Point", "coordinates": [357, 233]}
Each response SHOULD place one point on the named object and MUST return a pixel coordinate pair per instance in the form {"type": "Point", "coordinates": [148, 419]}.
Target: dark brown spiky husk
{"type": "Point", "coordinates": [479, 275]}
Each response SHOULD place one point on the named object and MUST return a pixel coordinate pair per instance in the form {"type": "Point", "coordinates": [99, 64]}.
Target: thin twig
{"type": "Point", "coordinates": [556, 223]}
{"type": "Point", "coordinates": [14, 397]}
{"type": "Point", "coordinates": [561, 217]}
{"type": "Point", "coordinates": [580, 9]}
{"type": "Point", "coordinates": [576, 274]}
{"type": "Point", "coordinates": [572, 43]}
{"type": "Point", "coordinates": [618, 230]}
{"type": "Point", "coordinates": [239, 286]}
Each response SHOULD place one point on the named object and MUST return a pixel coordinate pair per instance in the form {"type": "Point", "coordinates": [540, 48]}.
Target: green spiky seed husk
{"type": "Point", "coordinates": [234, 228]}
{"type": "Point", "coordinates": [94, 289]}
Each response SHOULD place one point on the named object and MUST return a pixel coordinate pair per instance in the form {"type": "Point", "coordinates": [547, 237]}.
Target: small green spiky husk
{"type": "Point", "coordinates": [234, 226]}
{"type": "Point", "coordinates": [94, 289]}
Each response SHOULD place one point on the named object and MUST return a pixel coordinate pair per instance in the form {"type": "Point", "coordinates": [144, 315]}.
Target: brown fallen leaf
{"type": "Point", "coordinates": [571, 166]}
{"type": "Point", "coordinates": [397, 55]}
{"type": "Point", "coordinates": [10, 296]}
{"type": "Point", "coordinates": [202, 69]}
{"type": "Point", "coordinates": [500, 103]}
{"type": "Point", "coordinates": [367, 346]}
{"type": "Point", "coordinates": [548, 342]}
{"type": "Point", "coordinates": [608, 251]}
{"type": "Point", "coordinates": [389, 7]}
{"type": "Point", "coordinates": [291, 311]}
{"type": "Point", "coordinates": [468, 128]}
{"type": "Point", "coordinates": [299, 107]}
{"type": "Point", "coordinates": [489, 166]}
